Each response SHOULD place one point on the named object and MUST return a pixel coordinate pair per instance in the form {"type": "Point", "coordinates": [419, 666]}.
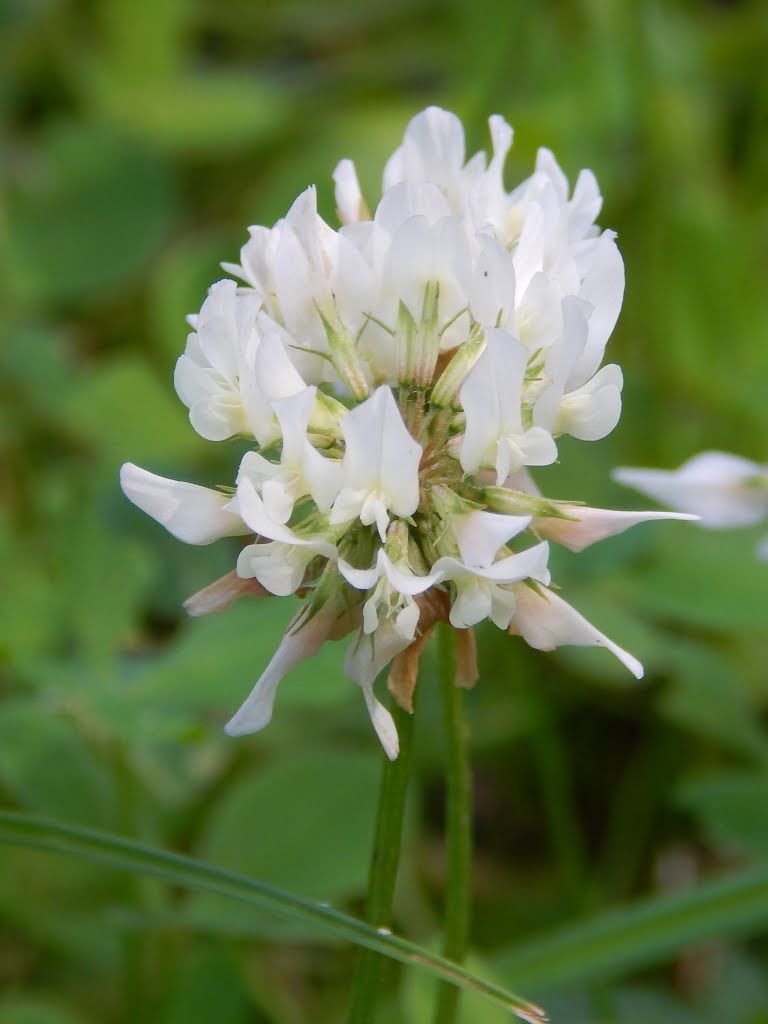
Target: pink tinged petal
{"type": "Point", "coordinates": [594, 524]}
{"type": "Point", "coordinates": [300, 642]}
{"type": "Point", "coordinates": [722, 489]}
{"type": "Point", "coordinates": [591, 412]}
{"type": "Point", "coordinates": [193, 514]}
{"type": "Point", "coordinates": [350, 204]}
{"type": "Point", "coordinates": [481, 534]}
{"type": "Point", "coordinates": [545, 622]}
{"type": "Point", "coordinates": [220, 595]}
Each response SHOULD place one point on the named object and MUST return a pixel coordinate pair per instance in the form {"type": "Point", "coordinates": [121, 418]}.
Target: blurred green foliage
{"type": "Point", "coordinates": [138, 141]}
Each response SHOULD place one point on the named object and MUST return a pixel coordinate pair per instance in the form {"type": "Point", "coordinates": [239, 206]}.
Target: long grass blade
{"type": "Point", "coordinates": [642, 935]}
{"type": "Point", "coordinates": [127, 855]}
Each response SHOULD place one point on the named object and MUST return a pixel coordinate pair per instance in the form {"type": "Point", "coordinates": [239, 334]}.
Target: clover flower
{"type": "Point", "coordinates": [724, 491]}
{"type": "Point", "coordinates": [397, 379]}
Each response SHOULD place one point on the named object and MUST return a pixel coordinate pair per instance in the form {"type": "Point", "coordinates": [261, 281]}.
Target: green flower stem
{"type": "Point", "coordinates": [458, 827]}
{"type": "Point", "coordinates": [371, 970]}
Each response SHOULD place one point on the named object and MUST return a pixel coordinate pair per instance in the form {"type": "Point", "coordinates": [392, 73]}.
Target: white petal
{"type": "Point", "coordinates": [545, 622]}
{"type": "Point", "coordinates": [531, 563]}
{"type": "Point", "coordinates": [472, 604]}
{"type": "Point", "coordinates": [585, 205]}
{"type": "Point", "coordinates": [481, 534]}
{"type": "Point", "coordinates": [297, 644]}
{"type": "Point", "coordinates": [322, 476]}
{"type": "Point", "coordinates": [293, 414]}
{"type": "Point", "coordinates": [406, 200]}
{"type": "Point", "coordinates": [360, 579]}
{"type": "Point", "coordinates": [591, 412]}
{"type": "Point", "coordinates": [404, 581]}
{"type": "Point", "coordinates": [191, 513]}
{"type": "Point", "coordinates": [349, 197]}
{"type": "Point", "coordinates": [492, 292]}
{"type": "Point", "coordinates": [538, 447]}
{"type": "Point", "coordinates": [432, 150]}
{"type": "Point", "coordinates": [273, 371]}
{"type": "Point", "coordinates": [724, 490]}
{"type": "Point", "coordinates": [219, 417]}
{"type": "Point", "coordinates": [603, 288]}
{"type": "Point", "coordinates": [279, 567]}
{"type": "Point", "coordinates": [490, 397]}
{"type": "Point", "coordinates": [381, 458]}
{"type": "Point", "coordinates": [382, 722]}
{"type": "Point", "coordinates": [251, 507]}
{"type": "Point", "coordinates": [593, 524]}
{"type": "Point", "coordinates": [193, 381]}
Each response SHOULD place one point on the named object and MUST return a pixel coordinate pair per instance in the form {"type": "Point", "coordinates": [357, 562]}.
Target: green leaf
{"type": "Point", "coordinates": [125, 855]}
{"type": "Point", "coordinates": [35, 1010]}
{"type": "Point", "coordinates": [707, 699]}
{"type": "Point", "coordinates": [254, 831]}
{"type": "Point", "coordinates": [196, 113]}
{"type": "Point", "coordinates": [709, 579]}
{"type": "Point", "coordinates": [91, 214]}
{"type": "Point", "coordinates": [46, 766]}
{"type": "Point", "coordinates": [207, 987]}
{"type": "Point", "coordinates": [731, 807]}
{"type": "Point", "coordinates": [124, 412]}
{"type": "Point", "coordinates": [618, 942]}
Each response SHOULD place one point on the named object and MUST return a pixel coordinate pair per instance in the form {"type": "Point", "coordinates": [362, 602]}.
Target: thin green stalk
{"type": "Point", "coordinates": [458, 823]}
{"type": "Point", "coordinates": [369, 978]}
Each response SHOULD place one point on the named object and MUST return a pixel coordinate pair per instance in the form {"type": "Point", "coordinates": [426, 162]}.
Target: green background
{"type": "Point", "coordinates": [139, 139]}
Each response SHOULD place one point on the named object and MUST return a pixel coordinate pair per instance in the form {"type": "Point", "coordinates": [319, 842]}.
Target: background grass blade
{"type": "Point", "coordinates": [126, 855]}
{"type": "Point", "coordinates": [642, 935]}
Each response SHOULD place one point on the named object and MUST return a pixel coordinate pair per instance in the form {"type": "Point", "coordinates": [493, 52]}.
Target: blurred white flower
{"type": "Point", "coordinates": [720, 489]}
{"type": "Point", "coordinates": [394, 379]}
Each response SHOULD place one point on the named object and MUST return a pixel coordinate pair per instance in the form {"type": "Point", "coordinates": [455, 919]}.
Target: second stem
{"type": "Point", "coordinates": [458, 823]}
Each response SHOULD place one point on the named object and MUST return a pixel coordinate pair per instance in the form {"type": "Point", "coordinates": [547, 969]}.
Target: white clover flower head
{"type": "Point", "coordinates": [396, 378]}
